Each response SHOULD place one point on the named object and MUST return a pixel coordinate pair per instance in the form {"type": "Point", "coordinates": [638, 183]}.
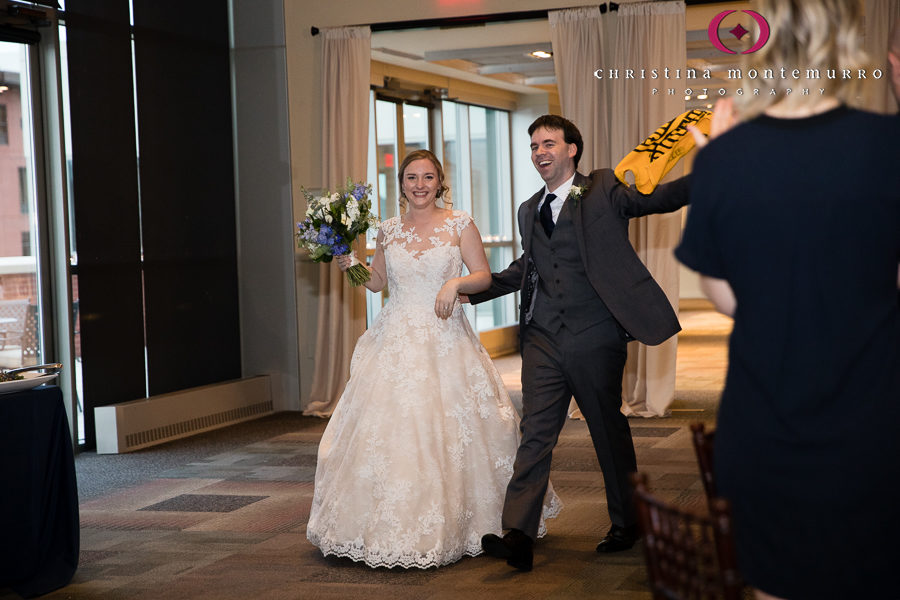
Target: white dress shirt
{"type": "Point", "coordinates": [561, 192]}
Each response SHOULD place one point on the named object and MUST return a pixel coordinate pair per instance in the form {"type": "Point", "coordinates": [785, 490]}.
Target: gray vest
{"type": "Point", "coordinates": [564, 294]}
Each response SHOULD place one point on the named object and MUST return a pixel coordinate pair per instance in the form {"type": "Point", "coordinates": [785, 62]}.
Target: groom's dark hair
{"type": "Point", "coordinates": [571, 135]}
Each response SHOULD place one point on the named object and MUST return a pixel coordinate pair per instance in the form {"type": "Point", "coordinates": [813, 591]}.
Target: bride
{"type": "Point", "coordinates": [413, 465]}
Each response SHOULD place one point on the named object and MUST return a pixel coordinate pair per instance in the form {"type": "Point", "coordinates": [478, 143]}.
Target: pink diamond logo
{"type": "Point", "coordinates": [738, 31]}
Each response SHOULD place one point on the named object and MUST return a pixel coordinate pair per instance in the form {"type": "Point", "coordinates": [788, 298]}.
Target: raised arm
{"type": "Point", "coordinates": [667, 197]}
{"type": "Point", "coordinates": [478, 279]}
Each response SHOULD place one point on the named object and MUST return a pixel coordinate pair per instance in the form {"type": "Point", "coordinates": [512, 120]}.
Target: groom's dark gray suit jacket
{"type": "Point", "coordinates": [600, 219]}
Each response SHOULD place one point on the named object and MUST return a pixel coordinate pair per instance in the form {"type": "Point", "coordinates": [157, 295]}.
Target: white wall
{"type": "Point", "coordinates": [689, 284]}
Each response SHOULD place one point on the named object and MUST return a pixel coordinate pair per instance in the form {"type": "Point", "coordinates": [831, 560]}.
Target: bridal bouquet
{"type": "Point", "coordinates": [333, 221]}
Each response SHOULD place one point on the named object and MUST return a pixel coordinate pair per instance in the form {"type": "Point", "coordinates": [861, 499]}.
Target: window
{"type": "Point", "coordinates": [24, 197]}
{"type": "Point", "coordinates": [21, 278]}
{"type": "Point", "coordinates": [477, 162]}
{"type": "Point", "coordinates": [473, 143]}
{"type": "Point", "coordinates": [395, 129]}
{"type": "Point", "coordinates": [400, 128]}
{"type": "Point", "coordinates": [4, 126]}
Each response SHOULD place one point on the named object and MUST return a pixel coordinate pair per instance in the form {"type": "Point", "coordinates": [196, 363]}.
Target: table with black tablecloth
{"type": "Point", "coordinates": [39, 535]}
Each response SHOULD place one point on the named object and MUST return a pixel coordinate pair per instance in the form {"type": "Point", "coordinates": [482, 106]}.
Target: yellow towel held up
{"type": "Point", "coordinates": [656, 155]}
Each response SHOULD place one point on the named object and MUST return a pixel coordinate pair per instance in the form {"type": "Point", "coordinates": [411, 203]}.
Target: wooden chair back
{"type": "Point", "coordinates": [689, 556]}
{"type": "Point", "coordinates": [703, 447]}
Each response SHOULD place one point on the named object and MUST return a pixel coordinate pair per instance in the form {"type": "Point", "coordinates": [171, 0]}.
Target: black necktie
{"type": "Point", "coordinates": [547, 215]}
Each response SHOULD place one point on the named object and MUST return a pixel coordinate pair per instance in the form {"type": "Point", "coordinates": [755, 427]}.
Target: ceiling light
{"type": "Point", "coordinates": [540, 54]}
{"type": "Point", "coordinates": [687, 97]}
{"type": "Point", "coordinates": [702, 97]}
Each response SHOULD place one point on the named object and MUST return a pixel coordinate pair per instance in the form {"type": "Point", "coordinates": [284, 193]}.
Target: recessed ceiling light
{"type": "Point", "coordinates": [702, 97]}
{"type": "Point", "coordinates": [540, 54]}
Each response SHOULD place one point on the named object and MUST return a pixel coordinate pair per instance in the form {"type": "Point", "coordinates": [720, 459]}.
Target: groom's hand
{"type": "Point", "coordinates": [463, 299]}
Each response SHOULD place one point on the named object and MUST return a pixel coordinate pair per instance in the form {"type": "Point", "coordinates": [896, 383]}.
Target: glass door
{"type": "Point", "coordinates": [21, 342]}
{"type": "Point", "coordinates": [395, 129]}
{"type": "Point", "coordinates": [477, 162]}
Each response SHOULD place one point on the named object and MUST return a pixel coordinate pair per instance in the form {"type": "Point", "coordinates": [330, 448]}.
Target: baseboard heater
{"type": "Point", "coordinates": [150, 421]}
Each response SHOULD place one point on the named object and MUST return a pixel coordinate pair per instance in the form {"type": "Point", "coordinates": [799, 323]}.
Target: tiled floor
{"type": "Point", "coordinates": [227, 520]}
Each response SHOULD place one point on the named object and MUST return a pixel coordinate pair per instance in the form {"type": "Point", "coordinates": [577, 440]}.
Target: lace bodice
{"type": "Point", "coordinates": [419, 262]}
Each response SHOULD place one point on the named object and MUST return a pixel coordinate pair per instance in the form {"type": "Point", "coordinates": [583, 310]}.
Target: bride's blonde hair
{"type": "Point", "coordinates": [443, 192]}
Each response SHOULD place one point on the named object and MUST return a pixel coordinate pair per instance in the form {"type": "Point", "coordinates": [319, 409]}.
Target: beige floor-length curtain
{"type": "Point", "coordinates": [581, 44]}
{"type": "Point", "coordinates": [622, 113]}
{"type": "Point", "coordinates": [881, 16]}
{"type": "Point", "coordinates": [651, 34]}
{"type": "Point", "coordinates": [346, 59]}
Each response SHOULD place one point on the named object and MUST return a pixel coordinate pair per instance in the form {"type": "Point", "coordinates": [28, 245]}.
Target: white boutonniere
{"type": "Point", "coordinates": [576, 192]}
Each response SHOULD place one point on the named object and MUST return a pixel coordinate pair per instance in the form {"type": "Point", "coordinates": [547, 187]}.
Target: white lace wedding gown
{"type": "Point", "coordinates": [413, 466]}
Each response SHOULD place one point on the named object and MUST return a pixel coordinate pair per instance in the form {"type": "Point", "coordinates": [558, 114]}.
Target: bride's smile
{"type": "Point", "coordinates": [420, 184]}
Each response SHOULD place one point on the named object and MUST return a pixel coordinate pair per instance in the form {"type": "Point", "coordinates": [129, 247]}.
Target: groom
{"type": "Point", "coordinates": [585, 294]}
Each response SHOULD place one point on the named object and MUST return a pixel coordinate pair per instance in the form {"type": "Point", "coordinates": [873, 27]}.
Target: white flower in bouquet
{"type": "Point", "coordinates": [353, 209]}
{"type": "Point", "coordinates": [333, 221]}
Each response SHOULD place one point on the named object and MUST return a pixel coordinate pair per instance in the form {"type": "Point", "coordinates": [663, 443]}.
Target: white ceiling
{"type": "Point", "coordinates": [497, 45]}
{"type": "Point", "coordinates": [497, 54]}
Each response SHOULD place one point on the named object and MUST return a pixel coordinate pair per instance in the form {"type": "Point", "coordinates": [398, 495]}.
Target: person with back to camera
{"type": "Point", "coordinates": [585, 294]}
{"type": "Point", "coordinates": [415, 459]}
{"type": "Point", "coordinates": [794, 227]}
{"type": "Point", "coordinates": [894, 60]}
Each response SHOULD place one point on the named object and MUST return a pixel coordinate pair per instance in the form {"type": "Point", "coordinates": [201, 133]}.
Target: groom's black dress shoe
{"type": "Point", "coordinates": [618, 539]}
{"type": "Point", "coordinates": [515, 547]}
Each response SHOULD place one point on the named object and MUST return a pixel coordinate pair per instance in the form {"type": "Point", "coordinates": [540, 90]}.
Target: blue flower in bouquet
{"type": "Point", "coordinates": [336, 242]}
{"type": "Point", "coordinates": [333, 221]}
{"type": "Point", "coordinates": [323, 238]}
{"type": "Point", "coordinates": [359, 191]}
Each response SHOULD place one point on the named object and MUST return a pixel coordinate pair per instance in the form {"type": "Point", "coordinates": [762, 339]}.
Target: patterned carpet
{"type": "Point", "coordinates": [223, 515]}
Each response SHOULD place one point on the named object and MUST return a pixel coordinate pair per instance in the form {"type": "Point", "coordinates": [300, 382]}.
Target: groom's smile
{"type": "Point", "coordinates": [552, 156]}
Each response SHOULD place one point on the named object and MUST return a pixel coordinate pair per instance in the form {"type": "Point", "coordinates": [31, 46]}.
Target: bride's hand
{"type": "Point", "coordinates": [446, 300]}
{"type": "Point", "coordinates": [345, 261]}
